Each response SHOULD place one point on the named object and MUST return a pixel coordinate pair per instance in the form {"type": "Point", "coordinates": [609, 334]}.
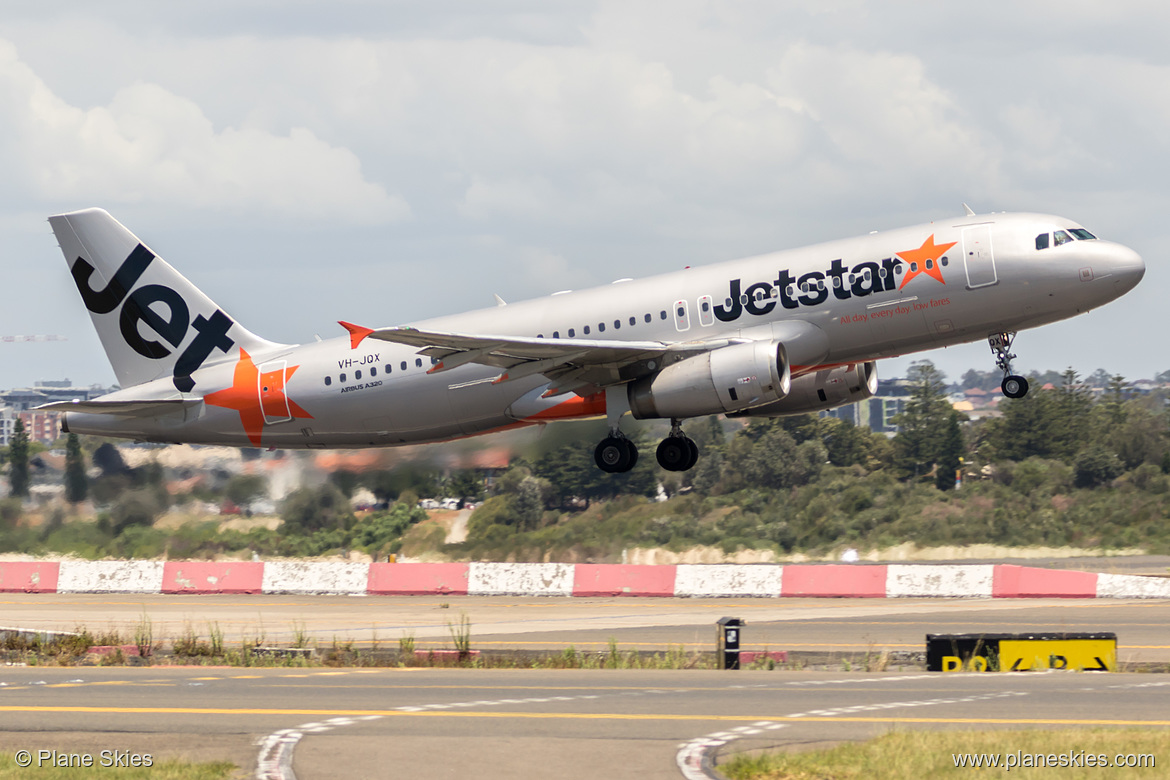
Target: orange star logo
{"type": "Point", "coordinates": [924, 259]}
{"type": "Point", "coordinates": [257, 396]}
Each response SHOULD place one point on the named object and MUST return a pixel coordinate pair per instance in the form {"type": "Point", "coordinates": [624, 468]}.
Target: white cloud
{"type": "Point", "coordinates": [150, 145]}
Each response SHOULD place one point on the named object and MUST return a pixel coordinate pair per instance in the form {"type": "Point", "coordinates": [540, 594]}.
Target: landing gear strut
{"type": "Point", "coordinates": [615, 454]}
{"type": "Point", "coordinates": [677, 452]}
{"type": "Point", "coordinates": [1013, 385]}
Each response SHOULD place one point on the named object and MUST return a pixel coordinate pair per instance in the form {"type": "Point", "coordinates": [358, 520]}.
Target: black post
{"type": "Point", "coordinates": [727, 642]}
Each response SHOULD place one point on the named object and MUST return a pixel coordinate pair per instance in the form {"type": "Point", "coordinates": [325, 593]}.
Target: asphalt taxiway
{"type": "Point", "coordinates": [501, 724]}
{"type": "Point", "coordinates": [567, 723]}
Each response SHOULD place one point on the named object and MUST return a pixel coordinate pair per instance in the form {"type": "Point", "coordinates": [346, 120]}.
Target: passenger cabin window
{"type": "Point", "coordinates": [681, 319]}
{"type": "Point", "coordinates": [662, 314]}
{"type": "Point", "coordinates": [418, 362]}
{"type": "Point", "coordinates": [403, 365]}
{"type": "Point", "coordinates": [556, 334]}
{"type": "Point", "coordinates": [601, 327]}
{"type": "Point", "coordinates": [1060, 237]}
{"type": "Point", "coordinates": [1042, 241]}
{"type": "Point", "coordinates": [585, 330]}
{"type": "Point", "coordinates": [617, 324]}
{"type": "Point", "coordinates": [572, 333]}
{"type": "Point", "coordinates": [647, 318]}
{"type": "Point", "coordinates": [633, 321]}
{"type": "Point", "coordinates": [357, 375]}
{"type": "Point", "coordinates": [373, 370]}
{"type": "Point", "coordinates": [342, 377]}
{"type": "Point", "coordinates": [328, 381]}
{"type": "Point", "coordinates": [389, 368]}
{"type": "Point", "coordinates": [706, 313]}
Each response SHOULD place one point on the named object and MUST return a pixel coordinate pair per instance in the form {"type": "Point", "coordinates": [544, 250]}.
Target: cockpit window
{"type": "Point", "coordinates": [1042, 241]}
{"type": "Point", "coordinates": [1082, 234]}
{"type": "Point", "coordinates": [1061, 237]}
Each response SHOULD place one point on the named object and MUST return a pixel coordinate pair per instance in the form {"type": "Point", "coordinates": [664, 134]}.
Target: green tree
{"type": "Point", "coordinates": [1096, 466]}
{"type": "Point", "coordinates": [76, 482]}
{"type": "Point", "coordinates": [950, 454]}
{"type": "Point", "coordinates": [18, 461]}
{"type": "Point", "coordinates": [923, 421]}
{"type": "Point", "coordinates": [315, 509]}
{"type": "Point", "coordinates": [1072, 412]}
{"type": "Point", "coordinates": [573, 473]}
{"type": "Point", "coordinates": [1028, 428]}
{"type": "Point", "coordinates": [774, 459]}
{"type": "Point", "coordinates": [243, 489]}
{"type": "Point", "coordinates": [137, 507]}
{"type": "Point", "coordinates": [466, 485]}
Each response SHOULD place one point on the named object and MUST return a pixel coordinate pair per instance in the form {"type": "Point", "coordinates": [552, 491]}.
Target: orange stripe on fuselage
{"type": "Point", "coordinates": [574, 408]}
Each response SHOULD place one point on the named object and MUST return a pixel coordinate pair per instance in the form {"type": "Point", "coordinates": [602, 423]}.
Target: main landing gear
{"type": "Point", "coordinates": [616, 454]}
{"type": "Point", "coordinates": [677, 452]}
{"type": "Point", "coordinates": [1013, 385]}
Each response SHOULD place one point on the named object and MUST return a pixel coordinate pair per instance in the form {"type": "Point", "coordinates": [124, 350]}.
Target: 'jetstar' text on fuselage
{"type": "Point", "coordinates": [810, 289]}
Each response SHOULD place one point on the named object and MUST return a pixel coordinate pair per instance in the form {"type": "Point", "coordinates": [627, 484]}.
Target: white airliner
{"type": "Point", "coordinates": [784, 333]}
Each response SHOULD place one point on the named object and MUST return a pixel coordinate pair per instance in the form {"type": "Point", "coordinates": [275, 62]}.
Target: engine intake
{"type": "Point", "coordinates": [820, 390]}
{"type": "Point", "coordinates": [725, 380]}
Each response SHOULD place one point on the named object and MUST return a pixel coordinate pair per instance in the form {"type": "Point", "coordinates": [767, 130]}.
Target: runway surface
{"type": "Point", "coordinates": [505, 724]}
{"type": "Point", "coordinates": [570, 723]}
{"type": "Point", "coordinates": [849, 627]}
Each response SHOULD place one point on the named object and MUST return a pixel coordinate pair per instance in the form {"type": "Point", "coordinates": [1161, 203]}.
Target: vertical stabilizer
{"type": "Point", "coordinates": [152, 322]}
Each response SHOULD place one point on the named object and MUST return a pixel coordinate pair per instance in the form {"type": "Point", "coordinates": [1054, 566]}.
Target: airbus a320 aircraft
{"type": "Point", "coordinates": [784, 333]}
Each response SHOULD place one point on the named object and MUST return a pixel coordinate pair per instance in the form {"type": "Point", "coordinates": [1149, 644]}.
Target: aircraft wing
{"type": "Point", "coordinates": [572, 364]}
{"type": "Point", "coordinates": [144, 408]}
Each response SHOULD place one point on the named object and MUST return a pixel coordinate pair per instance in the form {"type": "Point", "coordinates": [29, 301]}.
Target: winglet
{"type": "Point", "coordinates": [356, 333]}
{"type": "Point", "coordinates": [499, 301]}
{"type": "Point", "coordinates": [969, 211]}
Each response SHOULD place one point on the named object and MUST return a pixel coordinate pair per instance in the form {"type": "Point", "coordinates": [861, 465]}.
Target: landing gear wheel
{"type": "Point", "coordinates": [694, 455]}
{"type": "Point", "coordinates": [615, 455]}
{"type": "Point", "coordinates": [1014, 386]}
{"type": "Point", "coordinates": [674, 454]}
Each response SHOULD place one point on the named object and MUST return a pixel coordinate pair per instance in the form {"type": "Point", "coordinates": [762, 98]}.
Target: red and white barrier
{"type": "Point", "coordinates": [213, 577]}
{"type": "Point", "coordinates": [520, 579]}
{"type": "Point", "coordinates": [110, 577]}
{"type": "Point", "coordinates": [828, 580]}
{"type": "Point", "coordinates": [318, 577]}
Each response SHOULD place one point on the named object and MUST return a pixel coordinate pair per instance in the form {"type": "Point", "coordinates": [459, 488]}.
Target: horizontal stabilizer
{"type": "Point", "coordinates": [146, 408]}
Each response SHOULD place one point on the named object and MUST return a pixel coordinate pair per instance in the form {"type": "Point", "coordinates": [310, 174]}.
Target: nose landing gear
{"type": "Point", "coordinates": [677, 452]}
{"type": "Point", "coordinates": [1013, 385]}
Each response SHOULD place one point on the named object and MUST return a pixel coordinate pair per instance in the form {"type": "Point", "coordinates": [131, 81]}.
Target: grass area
{"type": "Point", "coordinates": [193, 647]}
{"type": "Point", "coordinates": [160, 770]}
{"type": "Point", "coordinates": [901, 754]}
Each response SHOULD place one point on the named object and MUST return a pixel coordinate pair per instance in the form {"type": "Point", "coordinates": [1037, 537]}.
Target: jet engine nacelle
{"type": "Point", "coordinates": [724, 380]}
{"type": "Point", "coordinates": [820, 390]}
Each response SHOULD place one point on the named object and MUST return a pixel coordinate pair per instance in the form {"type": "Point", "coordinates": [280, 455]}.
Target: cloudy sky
{"type": "Point", "coordinates": [382, 161]}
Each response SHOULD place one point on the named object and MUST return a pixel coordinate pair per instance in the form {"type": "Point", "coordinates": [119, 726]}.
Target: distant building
{"type": "Point", "coordinates": [875, 413]}
{"type": "Point", "coordinates": [44, 427]}
{"type": "Point", "coordinates": [49, 391]}
{"type": "Point", "coordinates": [7, 423]}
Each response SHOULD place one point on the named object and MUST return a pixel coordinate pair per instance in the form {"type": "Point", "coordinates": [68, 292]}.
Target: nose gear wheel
{"type": "Point", "coordinates": [1013, 385]}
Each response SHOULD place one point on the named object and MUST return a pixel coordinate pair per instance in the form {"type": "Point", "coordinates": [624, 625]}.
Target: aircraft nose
{"type": "Point", "coordinates": [1128, 266]}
